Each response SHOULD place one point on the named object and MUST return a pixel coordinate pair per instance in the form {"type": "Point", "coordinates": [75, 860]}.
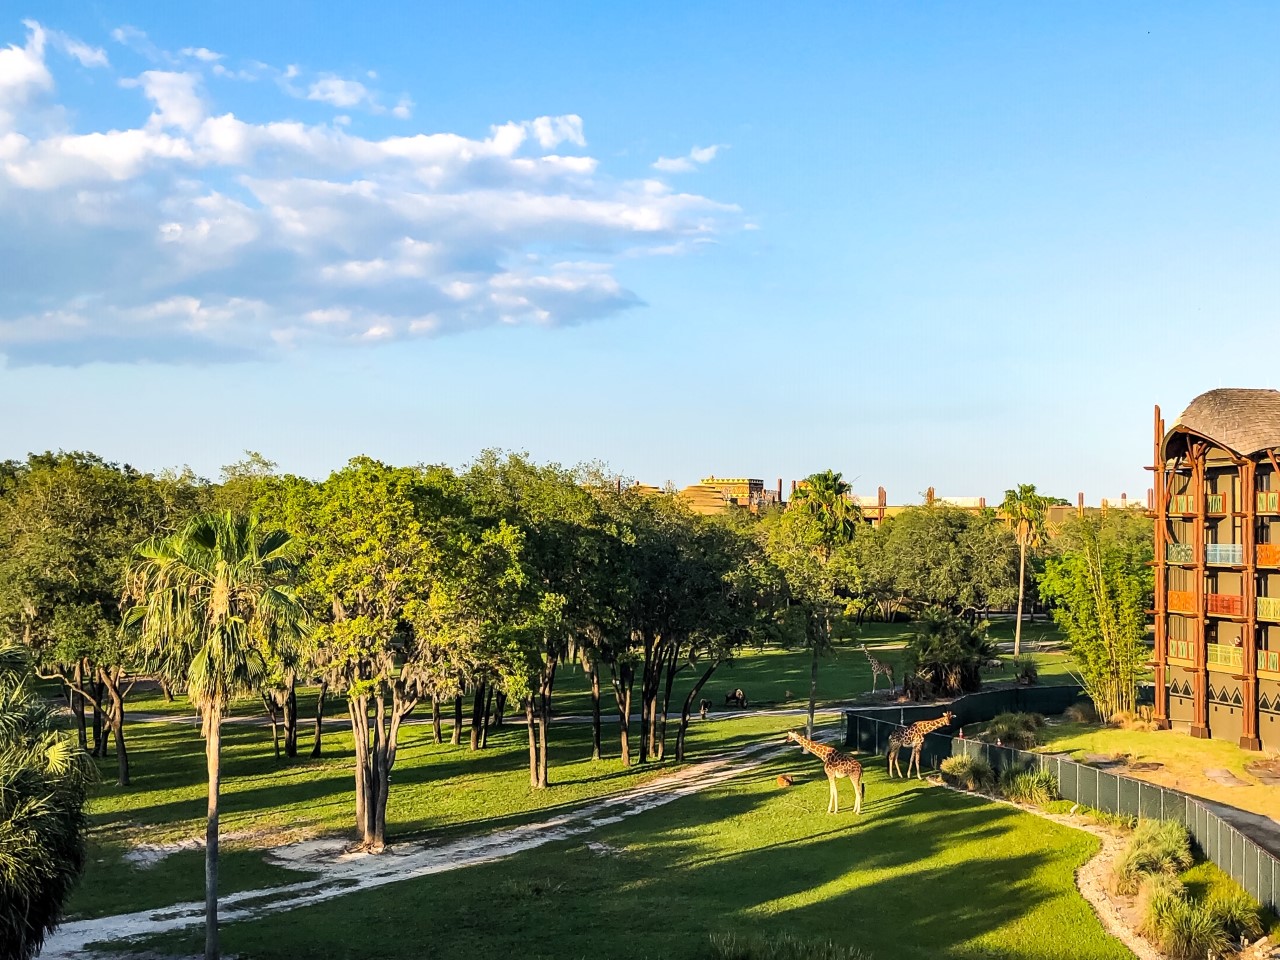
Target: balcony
{"type": "Point", "coordinates": [1224, 554]}
{"type": "Point", "coordinates": [1269, 554]}
{"type": "Point", "coordinates": [1182, 601]}
{"type": "Point", "coordinates": [1180, 650]}
{"type": "Point", "coordinates": [1183, 503]}
{"type": "Point", "coordinates": [1269, 660]}
{"type": "Point", "coordinates": [1224, 604]}
{"type": "Point", "coordinates": [1269, 501]}
{"type": "Point", "coordinates": [1214, 503]}
{"type": "Point", "coordinates": [1180, 553]}
{"type": "Point", "coordinates": [1222, 655]}
{"type": "Point", "coordinates": [1269, 608]}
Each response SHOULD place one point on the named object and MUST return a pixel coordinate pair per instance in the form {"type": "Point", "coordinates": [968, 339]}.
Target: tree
{"type": "Point", "coordinates": [945, 656]}
{"type": "Point", "coordinates": [213, 606]}
{"type": "Point", "coordinates": [44, 778]}
{"type": "Point", "coordinates": [811, 543]}
{"type": "Point", "coordinates": [1025, 510]}
{"type": "Point", "coordinates": [1100, 584]}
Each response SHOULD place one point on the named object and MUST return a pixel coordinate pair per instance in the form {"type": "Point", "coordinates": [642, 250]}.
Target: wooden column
{"type": "Point", "coordinates": [1161, 505]}
{"type": "Point", "coordinates": [1200, 710]}
{"type": "Point", "coordinates": [1249, 739]}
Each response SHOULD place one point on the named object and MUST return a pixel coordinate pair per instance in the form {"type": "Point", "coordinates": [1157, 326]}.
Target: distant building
{"type": "Point", "coordinates": [718, 494]}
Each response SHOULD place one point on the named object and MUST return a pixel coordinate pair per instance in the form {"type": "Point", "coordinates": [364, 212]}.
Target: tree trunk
{"type": "Point", "coordinates": [269, 702]}
{"type": "Point", "coordinates": [477, 714]}
{"type": "Point", "coordinates": [595, 711]}
{"type": "Point", "coordinates": [77, 707]}
{"type": "Point", "coordinates": [359, 710]}
{"type": "Point", "coordinates": [212, 750]}
{"type": "Point", "coordinates": [435, 719]}
{"type": "Point", "coordinates": [112, 686]}
{"type": "Point", "coordinates": [688, 706]}
{"type": "Point", "coordinates": [99, 730]}
{"type": "Point", "coordinates": [500, 704]}
{"type": "Point", "coordinates": [488, 713]}
{"type": "Point", "coordinates": [1022, 589]}
{"type": "Point", "coordinates": [671, 671]}
{"type": "Point", "coordinates": [291, 717]}
{"type": "Point", "coordinates": [324, 689]}
{"type": "Point", "coordinates": [813, 688]}
{"type": "Point", "coordinates": [168, 694]}
{"type": "Point", "coordinates": [457, 720]}
{"type": "Point", "coordinates": [544, 722]}
{"type": "Point", "coordinates": [624, 678]}
{"type": "Point", "coordinates": [532, 725]}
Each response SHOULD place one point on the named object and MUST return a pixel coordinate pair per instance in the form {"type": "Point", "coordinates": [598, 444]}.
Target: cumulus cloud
{"type": "Point", "coordinates": [691, 161]}
{"type": "Point", "coordinates": [190, 234]}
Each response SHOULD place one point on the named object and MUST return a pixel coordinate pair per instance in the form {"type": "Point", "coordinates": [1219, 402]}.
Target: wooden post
{"type": "Point", "coordinates": [1249, 739]}
{"type": "Point", "coordinates": [1162, 581]}
{"type": "Point", "coordinates": [1200, 713]}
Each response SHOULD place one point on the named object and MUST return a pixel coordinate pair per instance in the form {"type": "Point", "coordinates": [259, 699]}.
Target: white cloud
{"type": "Point", "coordinates": [691, 161]}
{"type": "Point", "coordinates": [87, 55]}
{"type": "Point", "coordinates": [189, 234]}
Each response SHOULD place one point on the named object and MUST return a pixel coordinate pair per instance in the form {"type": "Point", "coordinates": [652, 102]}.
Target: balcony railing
{"type": "Point", "coordinates": [1230, 554]}
{"type": "Point", "coordinates": [1269, 501]}
{"type": "Point", "coordinates": [1182, 601]}
{"type": "Point", "coordinates": [1183, 503]}
{"type": "Point", "coordinates": [1269, 608]}
{"type": "Point", "coordinates": [1227, 604]}
{"type": "Point", "coordinates": [1269, 554]}
{"type": "Point", "coordinates": [1269, 660]}
{"type": "Point", "coordinates": [1213, 503]}
{"type": "Point", "coordinates": [1180, 649]}
{"type": "Point", "coordinates": [1223, 655]}
{"type": "Point", "coordinates": [1180, 553]}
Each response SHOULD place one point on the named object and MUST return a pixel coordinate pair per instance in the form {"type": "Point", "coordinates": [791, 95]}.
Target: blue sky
{"type": "Point", "coordinates": [954, 245]}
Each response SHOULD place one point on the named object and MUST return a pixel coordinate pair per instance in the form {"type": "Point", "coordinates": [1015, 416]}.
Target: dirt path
{"type": "Point", "coordinates": [340, 873]}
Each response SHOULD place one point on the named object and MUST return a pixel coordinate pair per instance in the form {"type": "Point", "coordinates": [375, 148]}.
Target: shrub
{"type": "Point", "coordinates": [945, 656]}
{"type": "Point", "coordinates": [1017, 730]}
{"type": "Point", "coordinates": [732, 946]}
{"type": "Point", "coordinates": [1181, 927]}
{"type": "Point", "coordinates": [1157, 846]}
{"type": "Point", "coordinates": [1239, 914]}
{"type": "Point", "coordinates": [1081, 712]}
{"type": "Point", "coordinates": [971, 773]}
{"type": "Point", "coordinates": [1036, 787]}
{"type": "Point", "coordinates": [1129, 720]}
{"type": "Point", "coordinates": [1025, 669]}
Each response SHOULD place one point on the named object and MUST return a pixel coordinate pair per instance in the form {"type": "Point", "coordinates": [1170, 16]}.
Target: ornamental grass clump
{"type": "Point", "coordinates": [1025, 669]}
{"type": "Point", "coordinates": [1156, 847]}
{"type": "Point", "coordinates": [1081, 712]}
{"type": "Point", "coordinates": [1034, 787]}
{"type": "Point", "coordinates": [782, 946]}
{"type": "Point", "coordinates": [1190, 929]}
{"type": "Point", "coordinates": [969, 773]}
{"type": "Point", "coordinates": [1017, 730]}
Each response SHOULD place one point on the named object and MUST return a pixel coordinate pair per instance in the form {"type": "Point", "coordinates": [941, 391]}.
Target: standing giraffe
{"type": "Point", "coordinates": [913, 737]}
{"type": "Point", "coordinates": [835, 765]}
{"type": "Point", "coordinates": [879, 669]}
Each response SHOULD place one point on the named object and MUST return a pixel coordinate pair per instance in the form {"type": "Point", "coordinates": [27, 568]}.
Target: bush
{"type": "Point", "coordinates": [731, 946]}
{"type": "Point", "coordinates": [1239, 914]}
{"type": "Point", "coordinates": [1179, 926]}
{"type": "Point", "coordinates": [1157, 846]}
{"type": "Point", "coordinates": [1035, 787]}
{"type": "Point", "coordinates": [1081, 712]}
{"type": "Point", "coordinates": [1017, 730]}
{"type": "Point", "coordinates": [971, 773]}
{"type": "Point", "coordinates": [1025, 669]}
{"type": "Point", "coordinates": [945, 656]}
{"type": "Point", "coordinates": [1129, 720]}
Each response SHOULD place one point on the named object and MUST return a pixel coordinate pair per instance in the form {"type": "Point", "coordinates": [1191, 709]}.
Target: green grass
{"type": "Point", "coordinates": [923, 873]}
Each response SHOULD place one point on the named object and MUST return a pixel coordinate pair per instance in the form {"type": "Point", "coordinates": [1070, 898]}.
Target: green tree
{"type": "Point", "coordinates": [1100, 584]}
{"type": "Point", "coordinates": [811, 543]}
{"type": "Point", "coordinates": [1025, 510]}
{"type": "Point", "coordinates": [945, 655]}
{"type": "Point", "coordinates": [213, 606]}
{"type": "Point", "coordinates": [43, 783]}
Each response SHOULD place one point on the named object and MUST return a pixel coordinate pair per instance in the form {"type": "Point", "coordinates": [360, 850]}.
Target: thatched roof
{"type": "Point", "coordinates": [1243, 420]}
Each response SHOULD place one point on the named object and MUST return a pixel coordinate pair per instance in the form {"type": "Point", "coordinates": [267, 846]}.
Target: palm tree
{"type": "Point", "coordinates": [828, 499]}
{"type": "Point", "coordinates": [213, 607]}
{"type": "Point", "coordinates": [1025, 510]}
{"type": "Point", "coordinates": [44, 777]}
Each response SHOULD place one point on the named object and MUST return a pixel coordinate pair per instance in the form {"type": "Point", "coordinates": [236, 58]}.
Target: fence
{"type": "Point", "coordinates": [1255, 869]}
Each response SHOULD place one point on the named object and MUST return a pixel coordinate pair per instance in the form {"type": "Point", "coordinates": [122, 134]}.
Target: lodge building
{"type": "Point", "coordinates": [1217, 568]}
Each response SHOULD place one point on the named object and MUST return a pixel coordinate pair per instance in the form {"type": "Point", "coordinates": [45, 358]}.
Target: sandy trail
{"type": "Point", "coordinates": [342, 873]}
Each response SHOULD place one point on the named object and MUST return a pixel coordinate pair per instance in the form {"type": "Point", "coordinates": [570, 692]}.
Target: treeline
{"type": "Point", "coordinates": [471, 590]}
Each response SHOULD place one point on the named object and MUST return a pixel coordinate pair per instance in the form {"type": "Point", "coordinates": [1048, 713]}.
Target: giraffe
{"type": "Point", "coordinates": [879, 669]}
{"type": "Point", "coordinates": [835, 765]}
{"type": "Point", "coordinates": [913, 737]}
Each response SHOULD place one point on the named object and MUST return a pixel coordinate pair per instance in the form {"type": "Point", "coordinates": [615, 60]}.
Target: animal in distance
{"type": "Point", "coordinates": [735, 698]}
{"type": "Point", "coordinates": [835, 765]}
{"type": "Point", "coordinates": [879, 669]}
{"type": "Point", "coordinates": [704, 708]}
{"type": "Point", "coordinates": [913, 737]}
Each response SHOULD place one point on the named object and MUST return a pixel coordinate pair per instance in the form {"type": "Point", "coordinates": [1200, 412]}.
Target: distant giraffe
{"type": "Point", "coordinates": [835, 765]}
{"type": "Point", "coordinates": [913, 737]}
{"type": "Point", "coordinates": [879, 669]}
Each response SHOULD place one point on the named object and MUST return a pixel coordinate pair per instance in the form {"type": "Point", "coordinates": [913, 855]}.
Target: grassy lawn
{"type": "Point", "coordinates": [923, 873]}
